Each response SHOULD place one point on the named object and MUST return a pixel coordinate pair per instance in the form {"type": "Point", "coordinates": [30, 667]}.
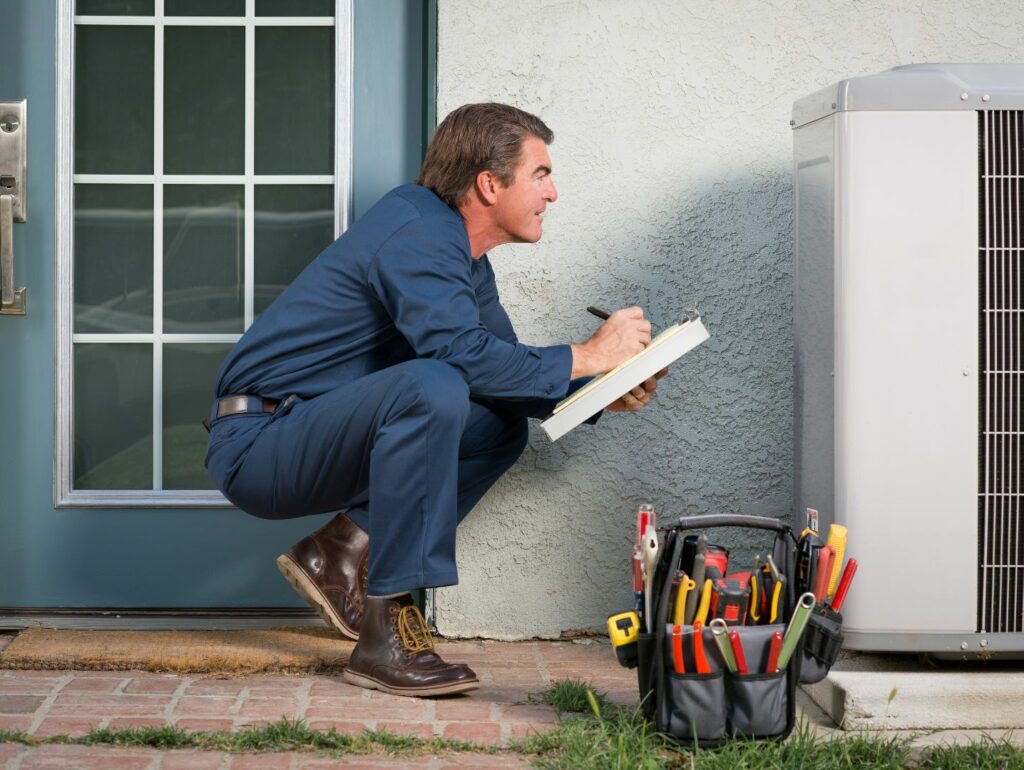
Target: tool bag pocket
{"type": "Point", "coordinates": [696, 706]}
{"type": "Point", "coordinates": [821, 644]}
{"type": "Point", "coordinates": [646, 671]}
{"type": "Point", "coordinates": [758, 704]}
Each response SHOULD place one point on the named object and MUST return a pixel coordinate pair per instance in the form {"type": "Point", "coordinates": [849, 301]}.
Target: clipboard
{"type": "Point", "coordinates": [673, 343]}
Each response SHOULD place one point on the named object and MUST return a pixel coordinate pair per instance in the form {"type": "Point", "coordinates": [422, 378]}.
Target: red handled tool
{"type": "Point", "coordinates": [717, 558]}
{"type": "Point", "coordinates": [645, 518]}
{"type": "Point", "coordinates": [730, 601]}
{"type": "Point", "coordinates": [737, 652]}
{"type": "Point", "coordinates": [638, 581]}
{"type": "Point", "coordinates": [677, 649]}
{"type": "Point", "coordinates": [773, 653]}
{"type": "Point", "coordinates": [698, 649]}
{"type": "Point", "coordinates": [844, 584]}
{"type": "Point", "coordinates": [823, 572]}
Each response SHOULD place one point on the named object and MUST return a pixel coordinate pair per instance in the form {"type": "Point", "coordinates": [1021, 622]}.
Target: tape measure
{"type": "Point", "coordinates": [624, 629]}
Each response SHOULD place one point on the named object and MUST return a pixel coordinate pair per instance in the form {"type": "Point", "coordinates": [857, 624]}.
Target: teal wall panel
{"type": "Point", "coordinates": [388, 97]}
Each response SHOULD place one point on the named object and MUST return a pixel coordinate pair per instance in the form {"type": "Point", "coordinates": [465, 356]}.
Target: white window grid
{"type": "Point", "coordinates": [64, 493]}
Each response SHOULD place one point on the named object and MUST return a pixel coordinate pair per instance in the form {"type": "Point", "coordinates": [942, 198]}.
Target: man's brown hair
{"type": "Point", "coordinates": [474, 138]}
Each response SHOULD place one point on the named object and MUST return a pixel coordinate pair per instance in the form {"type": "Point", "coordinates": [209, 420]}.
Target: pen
{"type": "Point", "coordinates": [602, 314]}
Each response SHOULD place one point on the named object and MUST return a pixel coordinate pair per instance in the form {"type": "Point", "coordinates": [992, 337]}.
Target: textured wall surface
{"type": "Point", "coordinates": [672, 158]}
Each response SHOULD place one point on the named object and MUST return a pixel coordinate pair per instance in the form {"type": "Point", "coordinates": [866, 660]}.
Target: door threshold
{"type": "Point", "coordinates": [174, 619]}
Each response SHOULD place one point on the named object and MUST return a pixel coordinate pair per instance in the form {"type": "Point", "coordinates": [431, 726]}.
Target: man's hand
{"type": "Point", "coordinates": [638, 397]}
{"type": "Point", "coordinates": [621, 337]}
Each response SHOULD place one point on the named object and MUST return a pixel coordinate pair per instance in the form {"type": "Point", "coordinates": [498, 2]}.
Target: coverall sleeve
{"type": "Point", "coordinates": [494, 317]}
{"type": "Point", "coordinates": [422, 275]}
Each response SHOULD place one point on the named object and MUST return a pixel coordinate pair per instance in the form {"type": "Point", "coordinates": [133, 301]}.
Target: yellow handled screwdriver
{"type": "Point", "coordinates": [836, 539]}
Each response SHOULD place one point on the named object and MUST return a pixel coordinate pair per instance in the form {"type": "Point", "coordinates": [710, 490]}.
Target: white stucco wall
{"type": "Point", "coordinates": [672, 158]}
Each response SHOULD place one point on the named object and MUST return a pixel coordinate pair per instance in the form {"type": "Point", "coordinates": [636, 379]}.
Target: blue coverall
{"type": "Point", "coordinates": [405, 391]}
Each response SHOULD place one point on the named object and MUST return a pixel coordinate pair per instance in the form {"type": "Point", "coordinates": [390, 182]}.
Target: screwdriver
{"type": "Point", "coordinates": [844, 584]}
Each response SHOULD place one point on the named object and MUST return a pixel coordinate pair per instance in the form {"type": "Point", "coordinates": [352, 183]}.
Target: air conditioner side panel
{"type": "Point", "coordinates": [906, 380]}
{"type": "Point", "coordinates": [814, 175]}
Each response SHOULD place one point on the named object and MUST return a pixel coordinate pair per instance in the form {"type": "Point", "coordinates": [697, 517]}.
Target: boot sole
{"type": "Point", "coordinates": [307, 589]}
{"type": "Point", "coordinates": [359, 680]}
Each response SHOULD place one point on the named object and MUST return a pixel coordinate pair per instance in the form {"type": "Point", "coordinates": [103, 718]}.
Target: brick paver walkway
{"type": "Point", "coordinates": [72, 703]}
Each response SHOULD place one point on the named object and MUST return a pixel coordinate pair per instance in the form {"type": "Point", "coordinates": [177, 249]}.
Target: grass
{"type": "Point", "coordinates": [570, 696]}
{"type": "Point", "coordinates": [284, 735]}
{"type": "Point", "coordinates": [593, 733]}
{"type": "Point", "coordinates": [986, 754]}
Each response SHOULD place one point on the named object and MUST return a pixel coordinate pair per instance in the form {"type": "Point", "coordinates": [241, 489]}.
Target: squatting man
{"type": "Point", "coordinates": [387, 382]}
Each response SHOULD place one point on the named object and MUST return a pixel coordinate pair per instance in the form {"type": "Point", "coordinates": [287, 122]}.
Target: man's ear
{"type": "Point", "coordinates": [487, 187]}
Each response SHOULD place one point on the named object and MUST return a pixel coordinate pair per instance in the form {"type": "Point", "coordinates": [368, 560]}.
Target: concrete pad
{"type": "Point", "coordinates": [887, 692]}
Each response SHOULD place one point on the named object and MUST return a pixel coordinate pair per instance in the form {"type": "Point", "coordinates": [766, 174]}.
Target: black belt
{"type": "Point", "coordinates": [243, 405]}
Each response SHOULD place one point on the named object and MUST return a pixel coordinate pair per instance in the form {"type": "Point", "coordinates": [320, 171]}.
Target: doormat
{"type": "Point", "coordinates": [250, 651]}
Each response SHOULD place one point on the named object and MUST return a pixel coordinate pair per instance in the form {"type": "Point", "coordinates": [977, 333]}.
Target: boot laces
{"type": "Point", "coordinates": [412, 628]}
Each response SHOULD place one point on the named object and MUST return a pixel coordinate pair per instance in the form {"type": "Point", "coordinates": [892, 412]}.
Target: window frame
{"type": "Point", "coordinates": [65, 495]}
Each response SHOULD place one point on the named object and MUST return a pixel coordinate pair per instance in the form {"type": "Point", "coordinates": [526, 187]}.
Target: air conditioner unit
{"type": "Point", "coordinates": [909, 325]}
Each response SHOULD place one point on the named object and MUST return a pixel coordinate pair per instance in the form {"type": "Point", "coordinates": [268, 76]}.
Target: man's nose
{"type": "Point", "coordinates": [551, 194]}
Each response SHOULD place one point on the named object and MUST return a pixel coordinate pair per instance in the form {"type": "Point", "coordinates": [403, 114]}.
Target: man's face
{"type": "Point", "coordinates": [519, 208]}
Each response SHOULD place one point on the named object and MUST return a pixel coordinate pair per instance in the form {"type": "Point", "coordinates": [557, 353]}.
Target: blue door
{"type": "Point", "coordinates": [186, 158]}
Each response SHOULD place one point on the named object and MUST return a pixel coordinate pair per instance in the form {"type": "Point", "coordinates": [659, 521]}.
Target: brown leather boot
{"type": "Point", "coordinates": [396, 655]}
{"type": "Point", "coordinates": [329, 570]}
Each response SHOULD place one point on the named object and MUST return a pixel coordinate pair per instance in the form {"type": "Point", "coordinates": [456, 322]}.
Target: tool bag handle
{"type": "Point", "coordinates": [730, 520]}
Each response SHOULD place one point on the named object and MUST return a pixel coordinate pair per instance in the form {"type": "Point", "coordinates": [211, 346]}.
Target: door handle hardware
{"type": "Point", "coordinates": [13, 170]}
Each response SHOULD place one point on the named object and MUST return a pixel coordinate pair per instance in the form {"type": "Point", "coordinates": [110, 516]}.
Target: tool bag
{"type": "Point", "coordinates": [710, 708]}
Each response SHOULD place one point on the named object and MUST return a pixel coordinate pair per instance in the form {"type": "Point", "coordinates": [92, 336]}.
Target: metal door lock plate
{"type": "Point", "coordinates": [13, 170]}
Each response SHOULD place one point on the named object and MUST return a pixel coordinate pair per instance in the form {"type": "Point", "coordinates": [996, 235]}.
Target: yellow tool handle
{"type": "Point", "coordinates": [705, 603]}
{"type": "Point", "coordinates": [776, 593]}
{"type": "Point", "coordinates": [685, 586]}
{"type": "Point", "coordinates": [836, 539]}
{"type": "Point", "coordinates": [755, 599]}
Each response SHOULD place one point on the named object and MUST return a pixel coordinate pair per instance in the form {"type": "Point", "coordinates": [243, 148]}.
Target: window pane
{"type": "Point", "coordinates": [114, 7]}
{"type": "Point", "coordinates": [204, 100]}
{"type": "Point", "coordinates": [189, 374]}
{"type": "Point", "coordinates": [113, 258]}
{"type": "Point", "coordinates": [294, 223]}
{"type": "Point", "coordinates": [204, 7]}
{"type": "Point", "coordinates": [113, 417]}
{"type": "Point", "coordinates": [294, 7]}
{"type": "Point", "coordinates": [203, 258]}
{"type": "Point", "coordinates": [294, 100]}
{"type": "Point", "coordinates": [114, 100]}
